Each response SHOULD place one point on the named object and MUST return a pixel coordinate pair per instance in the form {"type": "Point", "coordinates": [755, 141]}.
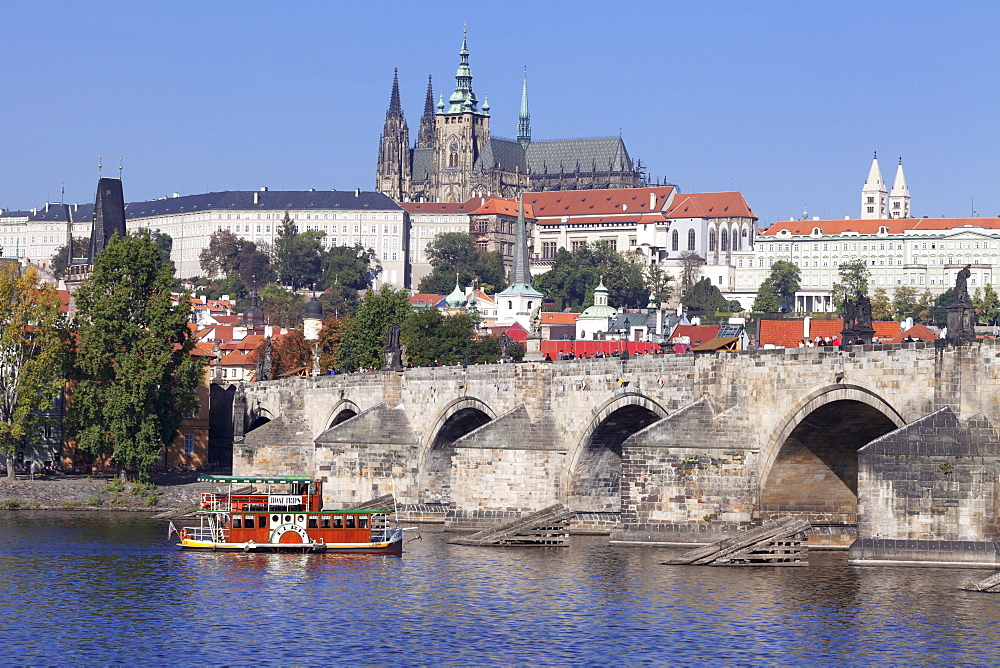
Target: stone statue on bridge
{"type": "Point", "coordinates": [962, 313]}
{"type": "Point", "coordinates": [858, 328]}
{"type": "Point", "coordinates": [393, 352]}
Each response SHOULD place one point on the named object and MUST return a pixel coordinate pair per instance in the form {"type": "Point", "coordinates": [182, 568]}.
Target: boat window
{"type": "Point", "coordinates": [288, 518]}
{"type": "Point", "coordinates": [313, 522]}
{"type": "Point", "coordinates": [275, 519]}
{"type": "Point", "coordinates": [263, 521]}
{"type": "Point", "coordinates": [248, 521]}
{"type": "Point", "coordinates": [338, 522]}
{"type": "Point", "coordinates": [362, 521]}
{"type": "Point", "coordinates": [350, 521]}
{"type": "Point", "coordinates": [325, 522]}
{"type": "Point", "coordinates": [237, 522]}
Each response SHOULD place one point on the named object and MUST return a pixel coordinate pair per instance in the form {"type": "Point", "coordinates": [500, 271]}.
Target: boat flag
{"type": "Point", "coordinates": [171, 530]}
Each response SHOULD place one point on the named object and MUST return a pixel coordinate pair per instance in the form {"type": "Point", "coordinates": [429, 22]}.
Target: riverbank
{"type": "Point", "coordinates": [165, 492]}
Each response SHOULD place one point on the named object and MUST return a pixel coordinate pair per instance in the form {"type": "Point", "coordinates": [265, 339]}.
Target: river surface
{"type": "Point", "coordinates": [107, 588]}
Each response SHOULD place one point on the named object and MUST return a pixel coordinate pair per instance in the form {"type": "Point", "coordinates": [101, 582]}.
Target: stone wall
{"type": "Point", "coordinates": [934, 480]}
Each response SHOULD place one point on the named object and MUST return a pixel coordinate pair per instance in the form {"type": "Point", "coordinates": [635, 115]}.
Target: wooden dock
{"type": "Point", "coordinates": [990, 585]}
{"type": "Point", "coordinates": [774, 543]}
{"type": "Point", "coordinates": [383, 502]}
{"type": "Point", "coordinates": [545, 528]}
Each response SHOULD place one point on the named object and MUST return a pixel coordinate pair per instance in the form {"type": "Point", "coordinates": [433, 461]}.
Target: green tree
{"type": "Point", "coordinates": [135, 377]}
{"type": "Point", "coordinates": [939, 312]}
{"type": "Point", "coordinates": [298, 257]}
{"type": "Point", "coordinates": [766, 301]}
{"type": "Point", "coordinates": [348, 266]}
{"type": "Point", "coordinates": [164, 243]}
{"type": "Point", "coordinates": [704, 296]}
{"type": "Point", "coordinates": [881, 306]}
{"type": "Point", "coordinates": [904, 302]}
{"type": "Point", "coordinates": [454, 253]}
{"type": "Point", "coordinates": [32, 348]}
{"type": "Point", "coordinates": [659, 282]}
{"type": "Point", "coordinates": [924, 308]}
{"type": "Point", "coordinates": [779, 288]}
{"type": "Point", "coordinates": [432, 337]}
{"type": "Point", "coordinates": [854, 277]}
{"type": "Point", "coordinates": [363, 344]}
{"type": "Point", "coordinates": [58, 262]}
{"type": "Point", "coordinates": [987, 305]}
{"type": "Point", "coordinates": [575, 275]}
{"type": "Point", "coordinates": [339, 301]}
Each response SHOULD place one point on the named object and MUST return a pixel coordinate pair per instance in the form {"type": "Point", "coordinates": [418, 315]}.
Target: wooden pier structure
{"type": "Point", "coordinates": [774, 543]}
{"type": "Point", "coordinates": [544, 528]}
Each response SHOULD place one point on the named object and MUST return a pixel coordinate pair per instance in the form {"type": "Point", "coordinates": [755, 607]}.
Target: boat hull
{"type": "Point", "coordinates": [394, 546]}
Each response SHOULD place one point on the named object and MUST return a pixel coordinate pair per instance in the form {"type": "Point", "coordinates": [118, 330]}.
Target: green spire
{"type": "Point", "coordinates": [520, 273]}
{"type": "Point", "coordinates": [524, 120]}
{"type": "Point", "coordinates": [463, 99]}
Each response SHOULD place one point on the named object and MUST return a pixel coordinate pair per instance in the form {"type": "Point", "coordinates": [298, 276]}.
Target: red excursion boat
{"type": "Point", "coordinates": [284, 514]}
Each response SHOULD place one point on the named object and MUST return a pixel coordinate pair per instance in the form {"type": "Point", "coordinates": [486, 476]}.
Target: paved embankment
{"type": "Point", "coordinates": [96, 494]}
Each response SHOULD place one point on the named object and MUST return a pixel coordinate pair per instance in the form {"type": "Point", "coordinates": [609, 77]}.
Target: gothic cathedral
{"type": "Point", "coordinates": [455, 156]}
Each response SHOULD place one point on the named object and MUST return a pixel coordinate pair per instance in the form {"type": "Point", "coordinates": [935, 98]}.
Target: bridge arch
{"type": "Point", "coordinates": [809, 466]}
{"type": "Point", "coordinates": [343, 410]}
{"type": "Point", "coordinates": [593, 482]}
{"type": "Point", "coordinates": [457, 419]}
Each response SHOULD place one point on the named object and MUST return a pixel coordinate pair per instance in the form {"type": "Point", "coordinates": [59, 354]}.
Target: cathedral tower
{"type": "Point", "coordinates": [461, 130]}
{"type": "Point", "coordinates": [392, 176]}
{"type": "Point", "coordinates": [874, 198]}
{"type": "Point", "coordinates": [425, 138]}
{"type": "Point", "coordinates": [899, 196]}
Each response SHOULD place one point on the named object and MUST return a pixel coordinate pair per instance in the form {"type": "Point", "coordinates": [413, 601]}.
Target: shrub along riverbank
{"type": "Point", "coordinates": [96, 494]}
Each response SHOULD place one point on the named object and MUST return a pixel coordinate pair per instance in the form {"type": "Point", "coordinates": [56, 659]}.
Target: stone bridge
{"type": "Point", "coordinates": [664, 449]}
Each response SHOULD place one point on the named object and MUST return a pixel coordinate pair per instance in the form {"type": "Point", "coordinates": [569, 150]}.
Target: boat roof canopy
{"type": "Point", "coordinates": [261, 480]}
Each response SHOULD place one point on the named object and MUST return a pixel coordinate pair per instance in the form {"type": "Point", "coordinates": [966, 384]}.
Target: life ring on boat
{"type": "Point", "coordinates": [183, 534]}
{"type": "Point", "coordinates": [285, 529]}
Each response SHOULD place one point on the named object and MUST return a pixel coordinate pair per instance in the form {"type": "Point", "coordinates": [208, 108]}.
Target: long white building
{"type": "Point", "coordinates": [345, 217]}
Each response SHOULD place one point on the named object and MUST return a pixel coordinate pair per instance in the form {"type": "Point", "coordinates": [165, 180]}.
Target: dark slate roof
{"type": "Point", "coordinates": [626, 321]}
{"type": "Point", "coordinates": [234, 200]}
{"type": "Point", "coordinates": [423, 164]}
{"type": "Point", "coordinates": [505, 154]}
{"type": "Point", "coordinates": [268, 200]}
{"type": "Point", "coordinates": [64, 213]}
{"type": "Point", "coordinates": [570, 155]}
{"type": "Point", "coordinates": [14, 214]}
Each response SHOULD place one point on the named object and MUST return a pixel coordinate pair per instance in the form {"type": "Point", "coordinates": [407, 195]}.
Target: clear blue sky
{"type": "Point", "coordinates": [784, 101]}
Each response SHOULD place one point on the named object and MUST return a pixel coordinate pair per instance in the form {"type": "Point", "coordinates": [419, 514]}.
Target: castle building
{"type": "Point", "coordinates": [456, 156]}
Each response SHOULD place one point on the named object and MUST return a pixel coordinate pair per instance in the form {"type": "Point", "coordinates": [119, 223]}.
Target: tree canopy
{"type": "Point", "coordinates": [363, 335]}
{"type": "Point", "coordinates": [58, 262]}
{"type": "Point", "coordinates": [135, 377]}
{"type": "Point", "coordinates": [454, 253]}
{"type": "Point", "coordinates": [32, 348]}
{"type": "Point", "coordinates": [854, 276]}
{"type": "Point", "coordinates": [705, 296]}
{"type": "Point", "coordinates": [777, 291]}
{"type": "Point", "coordinates": [575, 275]}
{"type": "Point", "coordinates": [881, 306]}
{"type": "Point", "coordinates": [298, 257]}
{"type": "Point", "coordinates": [349, 266]}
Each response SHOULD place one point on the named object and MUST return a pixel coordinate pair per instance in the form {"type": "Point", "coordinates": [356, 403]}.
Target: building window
{"type": "Point", "coordinates": [188, 444]}
{"type": "Point", "coordinates": [736, 241]}
{"type": "Point", "coordinates": [691, 240]}
{"type": "Point", "coordinates": [674, 240]}
{"type": "Point", "coordinates": [548, 250]}
{"type": "Point", "coordinates": [711, 241]}
{"type": "Point", "coordinates": [725, 241]}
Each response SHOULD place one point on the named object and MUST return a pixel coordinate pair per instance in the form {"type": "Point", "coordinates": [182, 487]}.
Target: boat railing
{"type": "Point", "coordinates": [247, 502]}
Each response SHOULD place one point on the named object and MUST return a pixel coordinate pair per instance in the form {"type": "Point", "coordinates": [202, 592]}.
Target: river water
{"type": "Point", "coordinates": [107, 588]}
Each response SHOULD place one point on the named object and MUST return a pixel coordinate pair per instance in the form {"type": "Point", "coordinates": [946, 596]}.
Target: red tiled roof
{"type": "Point", "coordinates": [788, 333]}
{"type": "Point", "coordinates": [894, 225]}
{"type": "Point", "coordinates": [621, 219]}
{"type": "Point", "coordinates": [918, 332]}
{"type": "Point", "coordinates": [697, 333]}
{"type": "Point", "coordinates": [507, 207]}
{"type": "Point", "coordinates": [556, 318]}
{"type": "Point", "coordinates": [63, 300]}
{"type": "Point", "coordinates": [467, 206]}
{"type": "Point", "coordinates": [616, 201]}
{"type": "Point", "coordinates": [710, 205]}
{"type": "Point", "coordinates": [425, 298]}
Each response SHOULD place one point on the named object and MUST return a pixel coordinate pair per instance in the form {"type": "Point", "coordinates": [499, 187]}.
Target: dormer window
{"type": "Point", "coordinates": [883, 230]}
{"type": "Point", "coordinates": [817, 231]}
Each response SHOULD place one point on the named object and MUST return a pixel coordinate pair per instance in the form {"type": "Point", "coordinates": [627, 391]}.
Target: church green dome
{"type": "Point", "coordinates": [457, 297]}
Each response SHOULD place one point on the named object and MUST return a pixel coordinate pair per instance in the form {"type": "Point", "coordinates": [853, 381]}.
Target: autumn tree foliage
{"type": "Point", "coordinates": [32, 346]}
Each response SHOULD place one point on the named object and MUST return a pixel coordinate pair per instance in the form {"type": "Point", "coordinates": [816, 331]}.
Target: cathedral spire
{"type": "Point", "coordinates": [873, 194]}
{"type": "Point", "coordinates": [425, 137]}
{"type": "Point", "coordinates": [395, 108]}
{"type": "Point", "coordinates": [520, 273]}
{"type": "Point", "coordinates": [463, 99]}
{"type": "Point", "coordinates": [899, 196]}
{"type": "Point", "coordinates": [523, 119]}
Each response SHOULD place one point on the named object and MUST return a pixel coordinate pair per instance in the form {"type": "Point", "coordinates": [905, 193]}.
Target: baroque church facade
{"type": "Point", "coordinates": [456, 157]}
